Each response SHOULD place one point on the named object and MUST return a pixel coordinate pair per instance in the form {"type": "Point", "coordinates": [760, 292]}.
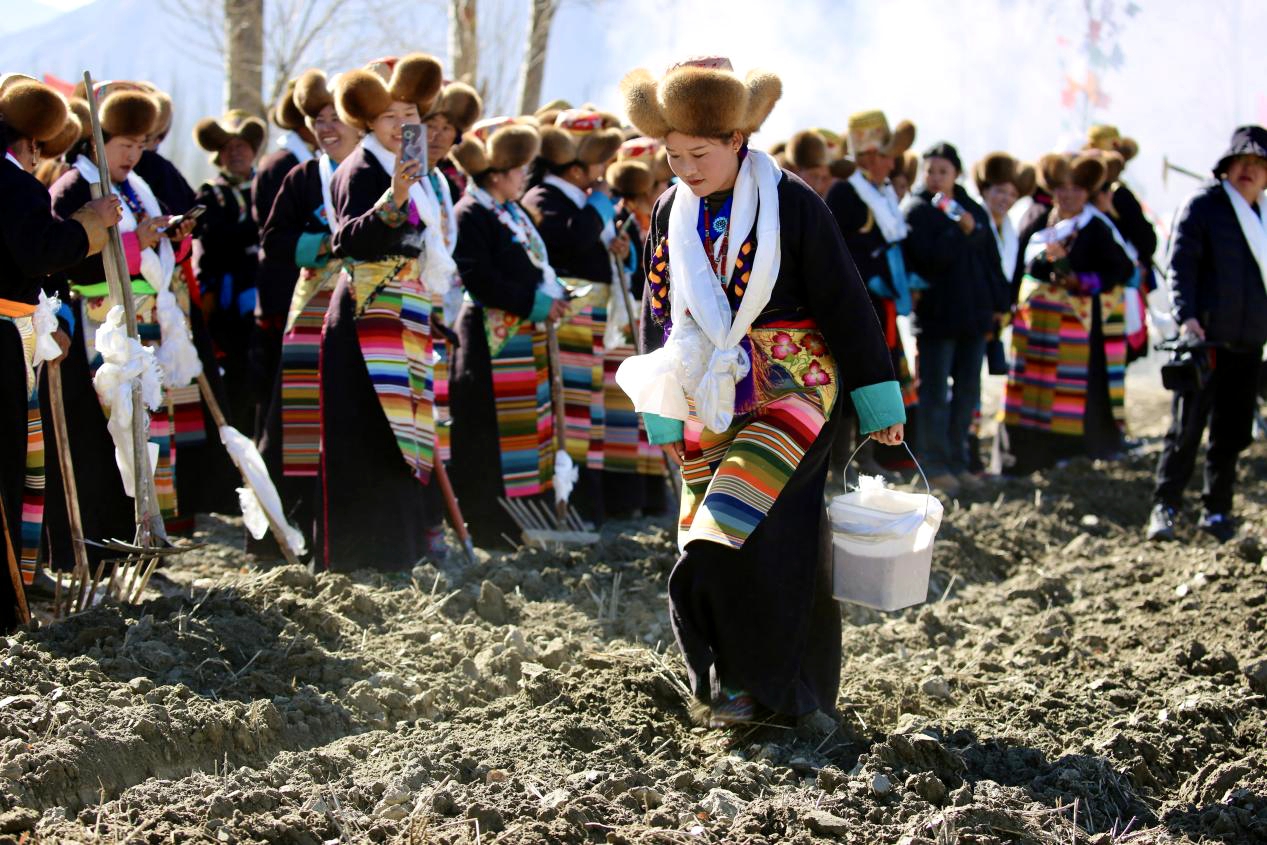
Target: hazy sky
{"type": "Point", "coordinates": [983, 74]}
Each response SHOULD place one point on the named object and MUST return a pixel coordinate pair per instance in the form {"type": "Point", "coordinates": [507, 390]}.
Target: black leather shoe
{"type": "Point", "coordinates": [1220, 526]}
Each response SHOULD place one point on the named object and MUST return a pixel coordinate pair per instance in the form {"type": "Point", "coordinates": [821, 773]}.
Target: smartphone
{"type": "Point", "coordinates": [192, 214]}
{"type": "Point", "coordinates": [413, 143]}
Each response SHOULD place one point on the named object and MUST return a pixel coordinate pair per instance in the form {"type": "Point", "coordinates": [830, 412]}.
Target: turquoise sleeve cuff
{"type": "Point", "coordinates": [879, 406]}
{"type": "Point", "coordinates": [602, 203]}
{"type": "Point", "coordinates": [662, 430]}
{"type": "Point", "coordinates": [540, 307]}
{"type": "Point", "coordinates": [308, 250]}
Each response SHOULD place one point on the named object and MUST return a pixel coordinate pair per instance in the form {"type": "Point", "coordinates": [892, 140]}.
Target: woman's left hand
{"type": "Point", "coordinates": [182, 231]}
{"type": "Point", "coordinates": [891, 436]}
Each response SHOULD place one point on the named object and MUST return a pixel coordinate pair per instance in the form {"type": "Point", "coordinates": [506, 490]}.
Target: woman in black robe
{"type": "Point", "coordinates": [502, 426]}
{"type": "Point", "coordinates": [33, 244]}
{"type": "Point", "coordinates": [380, 508]}
{"type": "Point", "coordinates": [299, 228]}
{"type": "Point", "coordinates": [1065, 394]}
{"type": "Point", "coordinates": [743, 390]}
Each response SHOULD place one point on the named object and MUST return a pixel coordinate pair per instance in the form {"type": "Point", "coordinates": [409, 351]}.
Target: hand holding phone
{"type": "Point", "coordinates": [413, 143]}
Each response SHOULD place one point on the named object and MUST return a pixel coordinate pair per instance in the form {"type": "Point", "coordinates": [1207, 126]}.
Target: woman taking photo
{"type": "Point", "coordinates": [378, 430]}
{"type": "Point", "coordinates": [502, 426]}
{"type": "Point", "coordinates": [1066, 388]}
{"type": "Point", "coordinates": [758, 321]}
{"type": "Point", "coordinates": [299, 226]}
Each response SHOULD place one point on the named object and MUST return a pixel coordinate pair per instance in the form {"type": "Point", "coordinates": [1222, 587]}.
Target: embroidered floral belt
{"type": "Point", "coordinates": [369, 277]}
{"type": "Point", "coordinates": [788, 357]}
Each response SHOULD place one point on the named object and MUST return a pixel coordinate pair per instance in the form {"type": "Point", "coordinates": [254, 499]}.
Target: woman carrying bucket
{"type": "Point", "coordinates": [756, 321]}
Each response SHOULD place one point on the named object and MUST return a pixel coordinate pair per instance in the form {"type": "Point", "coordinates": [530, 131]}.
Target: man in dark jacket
{"type": "Point", "coordinates": [951, 248]}
{"type": "Point", "coordinates": [1218, 274]}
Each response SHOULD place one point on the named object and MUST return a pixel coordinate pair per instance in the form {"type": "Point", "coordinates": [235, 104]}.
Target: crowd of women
{"type": "Point", "coordinates": [373, 316]}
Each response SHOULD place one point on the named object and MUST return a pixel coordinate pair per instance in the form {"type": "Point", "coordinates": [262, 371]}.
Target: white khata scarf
{"type": "Point", "coordinates": [175, 354]}
{"type": "Point", "coordinates": [1009, 244]}
{"type": "Point", "coordinates": [1253, 226]}
{"type": "Point", "coordinates": [702, 357]}
{"type": "Point", "coordinates": [292, 143]}
{"type": "Point", "coordinates": [884, 206]}
{"type": "Point", "coordinates": [438, 267]}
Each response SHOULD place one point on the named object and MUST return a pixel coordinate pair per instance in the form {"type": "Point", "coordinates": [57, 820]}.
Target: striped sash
{"type": "Point", "coordinates": [525, 426]}
{"type": "Point", "coordinates": [731, 479]}
{"type": "Point", "coordinates": [301, 353]}
{"type": "Point", "coordinates": [581, 352]}
{"type": "Point", "coordinates": [20, 314]}
{"type": "Point", "coordinates": [1051, 353]}
{"type": "Point", "coordinates": [394, 331]}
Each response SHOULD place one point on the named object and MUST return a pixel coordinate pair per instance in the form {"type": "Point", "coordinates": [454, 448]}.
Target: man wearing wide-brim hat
{"type": "Point", "coordinates": [1218, 283]}
{"type": "Point", "coordinates": [228, 251]}
{"type": "Point", "coordinates": [866, 209]}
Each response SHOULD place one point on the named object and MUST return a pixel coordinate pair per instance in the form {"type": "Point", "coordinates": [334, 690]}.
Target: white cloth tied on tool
{"type": "Point", "coordinates": [125, 360]}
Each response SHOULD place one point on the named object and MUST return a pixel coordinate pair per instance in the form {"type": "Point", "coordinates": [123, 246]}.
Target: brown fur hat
{"type": "Point", "coordinates": [869, 132]}
{"type": "Point", "coordinates": [460, 104]}
{"type": "Point", "coordinates": [906, 165]}
{"type": "Point", "coordinates": [71, 132]}
{"type": "Point", "coordinates": [630, 178]}
{"type": "Point", "coordinates": [362, 95]}
{"type": "Point", "coordinates": [807, 149]}
{"type": "Point", "coordinates": [31, 108]}
{"type": "Point", "coordinates": [285, 113]}
{"type": "Point", "coordinates": [1026, 179]}
{"type": "Point", "coordinates": [650, 152]}
{"type": "Point", "coordinates": [498, 145]}
{"type": "Point", "coordinates": [312, 94]}
{"type": "Point", "coordinates": [1052, 171]}
{"type": "Point", "coordinates": [1088, 172]}
{"type": "Point", "coordinates": [128, 112]}
{"type": "Point", "coordinates": [842, 168]}
{"type": "Point", "coordinates": [212, 135]}
{"type": "Point", "coordinates": [551, 110]}
{"type": "Point", "coordinates": [579, 136]}
{"type": "Point", "coordinates": [701, 97]}
{"type": "Point", "coordinates": [1105, 137]}
{"type": "Point", "coordinates": [995, 169]}
{"type": "Point", "coordinates": [165, 108]}
{"type": "Point", "coordinates": [778, 148]}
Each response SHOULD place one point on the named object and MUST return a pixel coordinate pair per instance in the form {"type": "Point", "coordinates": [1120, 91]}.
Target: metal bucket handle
{"type": "Point", "coordinates": [928, 488]}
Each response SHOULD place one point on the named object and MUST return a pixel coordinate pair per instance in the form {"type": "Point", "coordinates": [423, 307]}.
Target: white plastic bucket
{"type": "Point", "coordinates": [882, 544]}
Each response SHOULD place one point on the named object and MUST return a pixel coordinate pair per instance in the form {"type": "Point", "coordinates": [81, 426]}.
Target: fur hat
{"type": "Point", "coordinates": [71, 132]}
{"type": "Point", "coordinates": [165, 109]}
{"type": "Point", "coordinates": [869, 132]}
{"type": "Point", "coordinates": [129, 112]}
{"type": "Point", "coordinates": [362, 95]}
{"type": "Point", "coordinates": [701, 97]}
{"type": "Point", "coordinates": [1026, 179]}
{"type": "Point", "coordinates": [835, 148]}
{"type": "Point", "coordinates": [497, 144]}
{"type": "Point", "coordinates": [552, 109]}
{"type": "Point", "coordinates": [807, 149]}
{"type": "Point", "coordinates": [213, 135]}
{"type": "Point", "coordinates": [650, 152]}
{"type": "Point", "coordinates": [32, 109]}
{"type": "Point", "coordinates": [1104, 137]}
{"type": "Point", "coordinates": [1114, 162]}
{"type": "Point", "coordinates": [579, 136]}
{"type": "Point", "coordinates": [1088, 172]}
{"type": "Point", "coordinates": [311, 93]}
{"type": "Point", "coordinates": [907, 164]}
{"type": "Point", "coordinates": [996, 168]}
{"type": "Point", "coordinates": [460, 104]}
{"type": "Point", "coordinates": [630, 178]}
{"type": "Point", "coordinates": [842, 168]}
{"type": "Point", "coordinates": [285, 113]}
{"type": "Point", "coordinates": [1053, 171]}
